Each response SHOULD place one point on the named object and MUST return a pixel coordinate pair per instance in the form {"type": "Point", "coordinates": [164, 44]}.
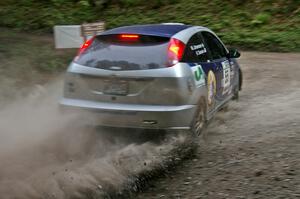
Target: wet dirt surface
{"type": "Point", "coordinates": [253, 149]}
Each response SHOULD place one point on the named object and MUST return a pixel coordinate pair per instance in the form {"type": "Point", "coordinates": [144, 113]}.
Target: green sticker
{"type": "Point", "coordinates": [198, 74]}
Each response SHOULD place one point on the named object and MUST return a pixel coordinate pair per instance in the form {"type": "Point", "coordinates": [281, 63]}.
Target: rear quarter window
{"type": "Point", "coordinates": [195, 50]}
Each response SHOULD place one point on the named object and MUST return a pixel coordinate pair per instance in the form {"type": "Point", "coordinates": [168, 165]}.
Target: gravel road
{"type": "Point", "coordinates": [253, 149]}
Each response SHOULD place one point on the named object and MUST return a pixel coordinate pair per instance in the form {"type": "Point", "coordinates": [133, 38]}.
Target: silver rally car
{"type": "Point", "coordinates": [159, 76]}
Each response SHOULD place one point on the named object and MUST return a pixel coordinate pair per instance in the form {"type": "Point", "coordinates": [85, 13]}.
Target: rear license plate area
{"type": "Point", "coordinates": [115, 87]}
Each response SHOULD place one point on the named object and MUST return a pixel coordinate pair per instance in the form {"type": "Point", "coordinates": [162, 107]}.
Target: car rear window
{"type": "Point", "coordinates": [125, 52]}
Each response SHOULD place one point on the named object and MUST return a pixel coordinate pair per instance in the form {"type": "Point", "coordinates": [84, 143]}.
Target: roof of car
{"type": "Point", "coordinates": [163, 30]}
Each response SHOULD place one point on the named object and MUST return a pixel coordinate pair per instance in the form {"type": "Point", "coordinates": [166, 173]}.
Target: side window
{"type": "Point", "coordinates": [195, 50]}
{"type": "Point", "coordinates": [216, 48]}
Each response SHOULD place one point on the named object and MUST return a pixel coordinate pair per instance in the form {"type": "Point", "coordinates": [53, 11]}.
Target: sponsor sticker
{"type": "Point", "coordinates": [226, 77]}
{"type": "Point", "coordinates": [211, 88]}
{"type": "Point", "coordinates": [198, 74]}
{"type": "Point", "coordinates": [199, 49]}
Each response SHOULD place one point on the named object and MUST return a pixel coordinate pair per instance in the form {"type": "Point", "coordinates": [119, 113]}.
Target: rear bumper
{"type": "Point", "coordinates": [134, 116]}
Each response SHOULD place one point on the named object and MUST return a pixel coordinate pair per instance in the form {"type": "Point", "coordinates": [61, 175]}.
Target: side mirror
{"type": "Point", "coordinates": [233, 53]}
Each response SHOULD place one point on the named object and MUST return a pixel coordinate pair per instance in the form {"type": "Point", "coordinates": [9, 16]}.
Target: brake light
{"type": "Point", "coordinates": [129, 37]}
{"type": "Point", "coordinates": [85, 46]}
{"type": "Point", "coordinates": [175, 51]}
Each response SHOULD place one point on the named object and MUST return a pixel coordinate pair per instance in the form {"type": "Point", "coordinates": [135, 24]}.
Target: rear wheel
{"type": "Point", "coordinates": [199, 121]}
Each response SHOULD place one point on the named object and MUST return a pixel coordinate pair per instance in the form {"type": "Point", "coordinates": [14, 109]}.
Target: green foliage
{"type": "Point", "coordinates": [128, 3]}
{"type": "Point", "coordinates": [260, 25]}
{"type": "Point", "coordinates": [261, 18]}
{"type": "Point", "coordinates": [84, 3]}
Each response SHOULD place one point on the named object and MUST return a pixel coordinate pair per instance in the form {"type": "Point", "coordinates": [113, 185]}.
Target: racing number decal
{"type": "Point", "coordinates": [211, 88]}
{"type": "Point", "coordinates": [198, 75]}
{"type": "Point", "coordinates": [226, 77]}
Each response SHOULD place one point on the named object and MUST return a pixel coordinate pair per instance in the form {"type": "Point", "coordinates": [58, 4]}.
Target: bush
{"type": "Point", "coordinates": [261, 18]}
{"type": "Point", "coordinates": [250, 24]}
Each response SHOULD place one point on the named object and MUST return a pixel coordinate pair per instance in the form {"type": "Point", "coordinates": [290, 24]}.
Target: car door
{"type": "Point", "coordinates": [198, 57]}
{"type": "Point", "coordinates": [222, 63]}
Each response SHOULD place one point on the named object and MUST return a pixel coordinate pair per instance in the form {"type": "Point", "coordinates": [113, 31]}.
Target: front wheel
{"type": "Point", "coordinates": [236, 95]}
{"type": "Point", "coordinates": [238, 88]}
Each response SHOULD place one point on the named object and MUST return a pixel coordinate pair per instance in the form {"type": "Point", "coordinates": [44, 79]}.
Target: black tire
{"type": "Point", "coordinates": [199, 121]}
{"type": "Point", "coordinates": [238, 88]}
{"type": "Point", "coordinates": [236, 95]}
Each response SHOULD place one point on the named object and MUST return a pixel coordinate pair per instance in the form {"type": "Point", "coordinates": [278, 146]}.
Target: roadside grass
{"type": "Point", "coordinates": [252, 25]}
{"type": "Point", "coordinates": [26, 61]}
{"type": "Point", "coordinates": [27, 54]}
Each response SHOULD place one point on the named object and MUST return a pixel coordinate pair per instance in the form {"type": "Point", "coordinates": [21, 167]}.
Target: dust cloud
{"type": "Point", "coordinates": [47, 154]}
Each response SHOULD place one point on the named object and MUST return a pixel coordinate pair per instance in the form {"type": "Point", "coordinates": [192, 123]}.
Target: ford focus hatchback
{"type": "Point", "coordinates": [162, 76]}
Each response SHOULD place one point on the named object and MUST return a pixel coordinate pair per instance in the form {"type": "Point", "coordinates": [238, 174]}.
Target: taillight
{"type": "Point", "coordinates": [85, 46]}
{"type": "Point", "coordinates": [175, 51]}
{"type": "Point", "coordinates": [129, 37]}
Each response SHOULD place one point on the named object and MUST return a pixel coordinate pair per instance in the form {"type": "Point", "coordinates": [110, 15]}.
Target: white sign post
{"type": "Point", "coordinates": [92, 29]}
{"type": "Point", "coordinates": [68, 36]}
{"type": "Point", "coordinates": [73, 36]}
